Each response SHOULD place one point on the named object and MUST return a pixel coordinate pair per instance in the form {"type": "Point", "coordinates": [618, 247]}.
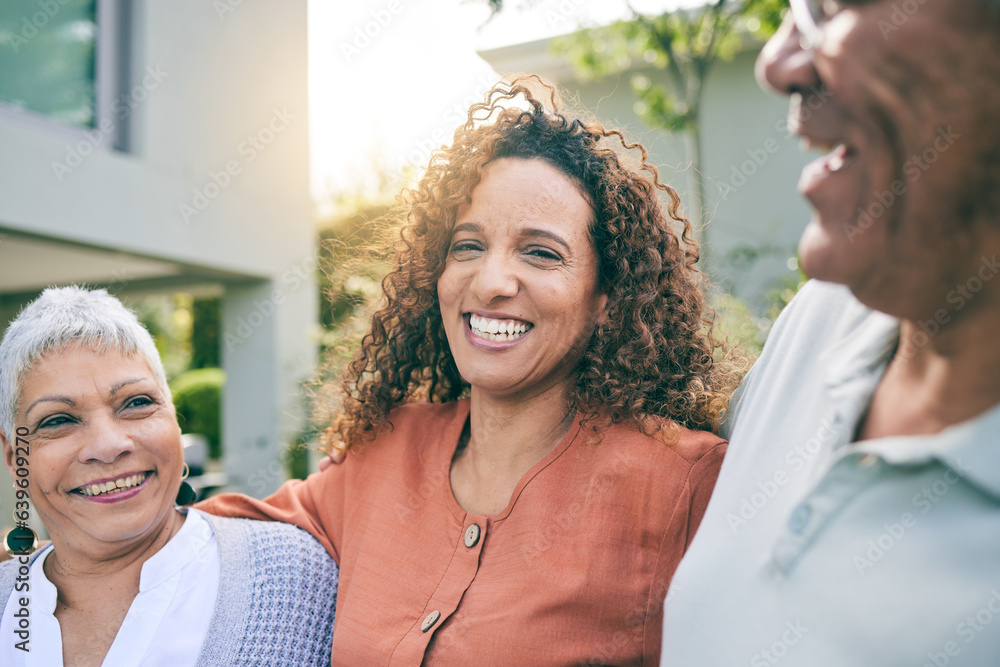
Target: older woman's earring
{"type": "Point", "coordinates": [185, 494]}
{"type": "Point", "coordinates": [20, 540]}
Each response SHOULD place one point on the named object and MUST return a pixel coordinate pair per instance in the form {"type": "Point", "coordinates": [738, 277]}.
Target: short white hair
{"type": "Point", "coordinates": [61, 316]}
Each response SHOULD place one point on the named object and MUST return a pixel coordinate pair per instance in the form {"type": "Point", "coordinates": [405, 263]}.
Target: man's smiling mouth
{"type": "Point", "coordinates": [837, 156]}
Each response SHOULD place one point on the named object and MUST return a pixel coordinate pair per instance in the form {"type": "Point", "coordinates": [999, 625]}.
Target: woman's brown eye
{"type": "Point", "coordinates": [544, 253]}
{"type": "Point", "coordinates": [138, 402]}
{"type": "Point", "coordinates": [55, 420]}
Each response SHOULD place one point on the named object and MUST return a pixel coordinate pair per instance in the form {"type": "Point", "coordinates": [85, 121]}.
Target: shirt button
{"type": "Point", "coordinates": [800, 517]}
{"type": "Point", "coordinates": [472, 536]}
{"type": "Point", "coordinates": [429, 622]}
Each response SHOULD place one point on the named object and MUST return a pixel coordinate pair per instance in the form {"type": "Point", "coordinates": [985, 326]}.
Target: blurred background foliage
{"type": "Point", "coordinates": [198, 399]}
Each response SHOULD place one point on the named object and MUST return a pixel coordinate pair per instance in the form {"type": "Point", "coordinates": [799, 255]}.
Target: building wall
{"type": "Point", "coordinates": [213, 185]}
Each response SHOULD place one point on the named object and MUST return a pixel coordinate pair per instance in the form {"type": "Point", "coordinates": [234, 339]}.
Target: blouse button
{"type": "Point", "coordinates": [429, 622]}
{"type": "Point", "coordinates": [472, 536]}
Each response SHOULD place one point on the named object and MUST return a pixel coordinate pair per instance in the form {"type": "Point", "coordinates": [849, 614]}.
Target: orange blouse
{"type": "Point", "coordinates": [574, 570]}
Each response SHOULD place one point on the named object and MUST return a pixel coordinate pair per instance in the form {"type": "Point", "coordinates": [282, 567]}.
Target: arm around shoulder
{"type": "Point", "coordinates": [314, 505]}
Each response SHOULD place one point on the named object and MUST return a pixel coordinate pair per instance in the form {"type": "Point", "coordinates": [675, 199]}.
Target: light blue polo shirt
{"type": "Point", "coordinates": [815, 551]}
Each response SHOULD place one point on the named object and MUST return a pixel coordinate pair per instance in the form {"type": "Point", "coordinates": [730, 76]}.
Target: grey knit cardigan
{"type": "Point", "coordinates": [277, 593]}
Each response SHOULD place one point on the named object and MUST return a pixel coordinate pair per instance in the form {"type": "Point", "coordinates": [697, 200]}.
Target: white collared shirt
{"type": "Point", "coordinates": [166, 623]}
{"type": "Point", "coordinates": [820, 551]}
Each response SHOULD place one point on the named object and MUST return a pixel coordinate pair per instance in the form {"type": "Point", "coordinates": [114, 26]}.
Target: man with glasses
{"type": "Point", "coordinates": [856, 520]}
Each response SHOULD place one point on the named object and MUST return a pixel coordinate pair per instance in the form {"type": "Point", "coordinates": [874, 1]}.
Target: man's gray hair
{"type": "Point", "coordinates": [62, 316]}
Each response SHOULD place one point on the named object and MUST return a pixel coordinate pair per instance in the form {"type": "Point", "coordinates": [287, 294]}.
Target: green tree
{"type": "Point", "coordinates": [206, 321]}
{"type": "Point", "coordinates": [684, 44]}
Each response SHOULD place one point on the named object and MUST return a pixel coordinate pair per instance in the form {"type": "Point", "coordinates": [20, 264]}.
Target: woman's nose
{"type": "Point", "coordinates": [783, 65]}
{"type": "Point", "coordinates": [494, 278]}
{"type": "Point", "coordinates": [107, 441]}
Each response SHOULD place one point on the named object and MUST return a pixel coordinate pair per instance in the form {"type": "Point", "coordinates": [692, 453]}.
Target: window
{"type": "Point", "coordinates": [48, 58]}
{"type": "Point", "coordinates": [61, 64]}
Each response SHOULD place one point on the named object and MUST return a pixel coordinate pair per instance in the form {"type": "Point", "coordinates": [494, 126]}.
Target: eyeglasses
{"type": "Point", "coordinates": [810, 17]}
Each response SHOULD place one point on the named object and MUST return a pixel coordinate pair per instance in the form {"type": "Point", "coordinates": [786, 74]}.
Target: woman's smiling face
{"type": "Point", "coordinates": [105, 450]}
{"type": "Point", "coordinates": [519, 293]}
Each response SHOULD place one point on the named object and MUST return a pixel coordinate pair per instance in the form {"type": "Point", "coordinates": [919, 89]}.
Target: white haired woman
{"type": "Point", "coordinates": [130, 578]}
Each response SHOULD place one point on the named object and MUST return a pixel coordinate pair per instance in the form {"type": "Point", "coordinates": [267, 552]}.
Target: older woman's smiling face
{"type": "Point", "coordinates": [519, 295]}
{"type": "Point", "coordinates": [105, 450]}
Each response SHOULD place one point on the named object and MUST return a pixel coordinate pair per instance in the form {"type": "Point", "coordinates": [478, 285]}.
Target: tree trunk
{"type": "Point", "coordinates": [699, 209]}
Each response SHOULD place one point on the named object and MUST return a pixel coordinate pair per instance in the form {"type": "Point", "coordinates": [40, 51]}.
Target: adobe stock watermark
{"type": "Point", "coordinates": [224, 8]}
{"type": "Point", "coordinates": [967, 630]}
{"type": "Point", "coordinates": [453, 117]}
{"type": "Point", "coordinates": [571, 517]}
{"type": "Point", "coordinates": [795, 460]}
{"type": "Point", "coordinates": [924, 502]}
{"type": "Point", "coordinates": [121, 109]}
{"type": "Point", "coordinates": [266, 476]}
{"type": "Point", "coordinates": [740, 174]}
{"type": "Point", "coordinates": [901, 13]}
{"type": "Point", "coordinates": [957, 297]}
{"type": "Point", "coordinates": [565, 10]}
{"type": "Point", "coordinates": [120, 278]}
{"type": "Point", "coordinates": [31, 25]}
{"type": "Point", "coordinates": [21, 546]}
{"type": "Point", "coordinates": [913, 169]}
{"type": "Point", "coordinates": [370, 30]}
{"type": "Point", "coordinates": [248, 150]}
{"type": "Point", "coordinates": [772, 655]}
{"type": "Point", "coordinates": [291, 280]}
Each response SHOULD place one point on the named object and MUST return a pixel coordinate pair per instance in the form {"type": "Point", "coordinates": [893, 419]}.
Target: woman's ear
{"type": "Point", "coordinates": [601, 316]}
{"type": "Point", "coordinates": [8, 455]}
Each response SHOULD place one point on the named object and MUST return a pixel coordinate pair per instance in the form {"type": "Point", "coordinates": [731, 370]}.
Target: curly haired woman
{"type": "Point", "coordinates": [532, 409]}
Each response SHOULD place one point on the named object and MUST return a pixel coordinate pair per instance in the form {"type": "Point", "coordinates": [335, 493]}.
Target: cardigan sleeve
{"type": "Point", "coordinates": [297, 502]}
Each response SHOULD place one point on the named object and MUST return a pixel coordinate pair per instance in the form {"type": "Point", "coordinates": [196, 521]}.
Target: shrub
{"type": "Point", "coordinates": [198, 399]}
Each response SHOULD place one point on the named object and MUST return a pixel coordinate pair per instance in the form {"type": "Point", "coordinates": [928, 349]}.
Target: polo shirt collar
{"type": "Point", "coordinates": [853, 367]}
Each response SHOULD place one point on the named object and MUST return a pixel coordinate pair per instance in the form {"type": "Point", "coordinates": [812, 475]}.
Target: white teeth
{"type": "Point", "coordinates": [496, 330]}
{"type": "Point", "coordinates": [113, 486]}
{"type": "Point", "coordinates": [809, 145]}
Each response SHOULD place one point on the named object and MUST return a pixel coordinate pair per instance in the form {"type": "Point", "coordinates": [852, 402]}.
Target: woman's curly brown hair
{"type": "Point", "coordinates": [651, 361]}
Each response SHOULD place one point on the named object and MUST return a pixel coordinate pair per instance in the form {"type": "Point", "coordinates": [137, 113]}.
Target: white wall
{"type": "Point", "coordinates": [206, 85]}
